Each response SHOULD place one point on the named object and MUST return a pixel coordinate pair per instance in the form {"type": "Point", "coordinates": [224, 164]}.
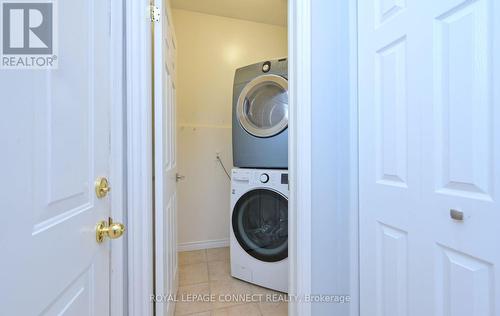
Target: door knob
{"type": "Point", "coordinates": [108, 229]}
{"type": "Point", "coordinates": [179, 177]}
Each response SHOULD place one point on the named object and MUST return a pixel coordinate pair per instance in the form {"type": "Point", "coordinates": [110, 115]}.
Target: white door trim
{"type": "Point", "coordinates": [300, 154]}
{"type": "Point", "coordinates": [139, 189]}
{"type": "Point", "coordinates": [354, 166]}
{"type": "Point", "coordinates": [299, 48]}
{"type": "Point", "coordinates": [118, 273]}
{"type": "Point", "coordinates": [139, 157]}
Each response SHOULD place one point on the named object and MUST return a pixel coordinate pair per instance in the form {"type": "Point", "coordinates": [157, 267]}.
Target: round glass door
{"type": "Point", "coordinates": [260, 224]}
{"type": "Point", "coordinates": [263, 106]}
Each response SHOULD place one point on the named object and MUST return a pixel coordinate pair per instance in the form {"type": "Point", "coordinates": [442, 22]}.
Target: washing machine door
{"type": "Point", "coordinates": [262, 108]}
{"type": "Point", "coordinates": [260, 224]}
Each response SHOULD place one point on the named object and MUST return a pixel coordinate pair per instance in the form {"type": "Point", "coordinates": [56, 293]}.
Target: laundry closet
{"type": "Point", "coordinates": [232, 153]}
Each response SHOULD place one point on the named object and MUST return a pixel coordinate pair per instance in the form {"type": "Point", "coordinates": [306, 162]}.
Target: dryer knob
{"type": "Point", "coordinates": [264, 178]}
{"type": "Point", "coordinates": [266, 67]}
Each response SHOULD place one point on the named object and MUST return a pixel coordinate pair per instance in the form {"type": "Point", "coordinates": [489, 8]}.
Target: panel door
{"type": "Point", "coordinates": [429, 155]}
{"type": "Point", "coordinates": [54, 136]}
{"type": "Point", "coordinates": [165, 163]}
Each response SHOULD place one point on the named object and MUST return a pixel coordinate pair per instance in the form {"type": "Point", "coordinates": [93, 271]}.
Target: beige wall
{"type": "Point", "coordinates": [210, 48]}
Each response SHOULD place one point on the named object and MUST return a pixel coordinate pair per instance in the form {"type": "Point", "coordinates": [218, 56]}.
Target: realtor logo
{"type": "Point", "coordinates": [28, 35]}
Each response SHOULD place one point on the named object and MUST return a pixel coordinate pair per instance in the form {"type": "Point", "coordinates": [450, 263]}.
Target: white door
{"type": "Point", "coordinates": [165, 163]}
{"type": "Point", "coordinates": [429, 153]}
{"type": "Point", "coordinates": [55, 140]}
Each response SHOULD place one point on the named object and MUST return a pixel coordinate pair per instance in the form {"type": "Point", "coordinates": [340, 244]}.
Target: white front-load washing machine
{"type": "Point", "coordinates": [259, 227]}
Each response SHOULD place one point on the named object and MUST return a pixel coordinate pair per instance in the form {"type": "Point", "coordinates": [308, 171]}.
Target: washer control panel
{"type": "Point", "coordinates": [259, 177]}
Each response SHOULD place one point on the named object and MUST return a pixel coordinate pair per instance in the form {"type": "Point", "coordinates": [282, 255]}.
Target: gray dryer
{"type": "Point", "coordinates": [260, 115]}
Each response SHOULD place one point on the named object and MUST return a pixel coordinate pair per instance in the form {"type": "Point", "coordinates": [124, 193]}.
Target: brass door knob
{"type": "Point", "coordinates": [108, 229]}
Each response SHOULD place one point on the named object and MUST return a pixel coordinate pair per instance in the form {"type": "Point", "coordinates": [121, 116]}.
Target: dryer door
{"type": "Point", "coordinates": [260, 224]}
{"type": "Point", "coordinates": [262, 108]}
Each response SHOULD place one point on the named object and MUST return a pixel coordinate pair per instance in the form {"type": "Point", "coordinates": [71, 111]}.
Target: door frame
{"type": "Point", "coordinates": [138, 136]}
{"type": "Point", "coordinates": [139, 160]}
{"type": "Point", "coordinates": [118, 272]}
{"type": "Point", "coordinates": [301, 83]}
{"type": "Point", "coordinates": [299, 87]}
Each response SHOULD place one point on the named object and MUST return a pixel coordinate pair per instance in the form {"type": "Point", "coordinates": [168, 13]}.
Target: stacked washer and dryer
{"type": "Point", "coordinates": [259, 183]}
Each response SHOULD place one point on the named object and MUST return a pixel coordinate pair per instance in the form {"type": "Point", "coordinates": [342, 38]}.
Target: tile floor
{"type": "Point", "coordinates": [207, 272]}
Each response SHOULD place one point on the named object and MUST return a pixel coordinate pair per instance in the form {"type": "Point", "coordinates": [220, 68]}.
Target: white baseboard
{"type": "Point", "coordinates": [199, 245]}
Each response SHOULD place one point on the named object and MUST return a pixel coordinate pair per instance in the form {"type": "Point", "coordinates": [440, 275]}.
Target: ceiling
{"type": "Point", "coordinates": [262, 11]}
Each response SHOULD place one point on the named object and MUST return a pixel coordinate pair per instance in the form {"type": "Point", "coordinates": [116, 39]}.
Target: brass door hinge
{"type": "Point", "coordinates": [154, 13]}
